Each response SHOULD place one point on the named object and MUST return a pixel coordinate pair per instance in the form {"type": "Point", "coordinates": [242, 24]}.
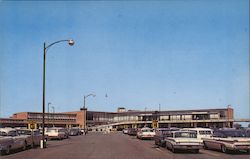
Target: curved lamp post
{"type": "Point", "coordinates": [45, 48]}
{"type": "Point", "coordinates": [86, 97]}
{"type": "Point", "coordinates": [48, 115]}
{"type": "Point", "coordinates": [85, 111]}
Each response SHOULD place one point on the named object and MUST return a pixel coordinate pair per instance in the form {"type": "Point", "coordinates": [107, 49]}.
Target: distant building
{"type": "Point", "coordinates": [214, 118]}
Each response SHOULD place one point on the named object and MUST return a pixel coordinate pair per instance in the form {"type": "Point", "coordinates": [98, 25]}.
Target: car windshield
{"type": "Point", "coordinates": [3, 133]}
{"type": "Point", "coordinates": [147, 130]}
{"type": "Point", "coordinates": [52, 130]}
{"type": "Point", "coordinates": [12, 133]}
{"type": "Point", "coordinates": [167, 131]}
{"type": "Point", "coordinates": [24, 132]}
{"type": "Point", "coordinates": [185, 135]}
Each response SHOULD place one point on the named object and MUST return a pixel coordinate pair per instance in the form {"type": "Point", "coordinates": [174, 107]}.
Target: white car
{"type": "Point", "coordinates": [183, 140]}
{"type": "Point", "coordinates": [202, 133]}
{"type": "Point", "coordinates": [56, 133]}
{"type": "Point", "coordinates": [145, 133]}
{"type": "Point", "coordinates": [10, 140]}
{"type": "Point", "coordinates": [125, 131]}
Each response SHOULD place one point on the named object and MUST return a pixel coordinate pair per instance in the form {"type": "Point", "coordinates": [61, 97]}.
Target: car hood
{"type": "Point", "coordinates": [186, 140]}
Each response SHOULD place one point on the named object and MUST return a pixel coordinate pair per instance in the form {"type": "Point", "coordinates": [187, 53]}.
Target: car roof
{"type": "Point", "coordinates": [145, 128]}
{"type": "Point", "coordinates": [162, 129]}
{"type": "Point", "coordinates": [197, 129]}
{"type": "Point", "coordinates": [185, 131]}
{"type": "Point", "coordinates": [7, 129]}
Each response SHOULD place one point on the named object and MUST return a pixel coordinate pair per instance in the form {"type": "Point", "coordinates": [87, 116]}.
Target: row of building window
{"type": "Point", "coordinates": [54, 116]}
{"type": "Point", "coordinates": [161, 118]}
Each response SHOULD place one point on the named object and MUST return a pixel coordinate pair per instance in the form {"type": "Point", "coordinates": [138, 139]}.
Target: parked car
{"type": "Point", "coordinates": [183, 140]}
{"type": "Point", "coordinates": [6, 143]}
{"type": "Point", "coordinates": [161, 134]}
{"type": "Point", "coordinates": [10, 140]}
{"type": "Point", "coordinates": [132, 131]}
{"type": "Point", "coordinates": [125, 131]}
{"type": "Point", "coordinates": [75, 131]}
{"type": "Point", "coordinates": [56, 133]}
{"type": "Point", "coordinates": [33, 137]}
{"type": "Point", "coordinates": [46, 137]}
{"type": "Point", "coordinates": [145, 133]}
{"type": "Point", "coordinates": [228, 140]}
{"type": "Point", "coordinates": [201, 132]}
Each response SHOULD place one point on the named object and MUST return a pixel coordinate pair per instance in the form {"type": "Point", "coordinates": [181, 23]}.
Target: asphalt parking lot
{"type": "Point", "coordinates": [114, 145]}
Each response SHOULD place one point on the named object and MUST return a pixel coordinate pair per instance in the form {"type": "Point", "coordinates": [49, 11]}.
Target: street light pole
{"type": "Point", "coordinates": [48, 115]}
{"type": "Point", "coordinates": [70, 42]}
{"type": "Point", "coordinates": [85, 111]}
{"type": "Point", "coordinates": [44, 63]}
{"type": "Point", "coordinates": [53, 115]}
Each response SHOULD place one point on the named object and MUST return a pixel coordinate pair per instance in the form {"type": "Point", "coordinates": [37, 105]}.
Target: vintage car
{"type": "Point", "coordinates": [75, 132]}
{"type": "Point", "coordinates": [33, 137]}
{"type": "Point", "coordinates": [132, 131]}
{"type": "Point", "coordinates": [201, 132]}
{"type": "Point", "coordinates": [125, 131]}
{"type": "Point", "coordinates": [161, 134]}
{"type": "Point", "coordinates": [10, 140]}
{"type": "Point", "coordinates": [183, 140]}
{"type": "Point", "coordinates": [56, 133]}
{"type": "Point", "coordinates": [145, 133]}
{"type": "Point", "coordinates": [228, 140]}
{"type": "Point", "coordinates": [5, 143]}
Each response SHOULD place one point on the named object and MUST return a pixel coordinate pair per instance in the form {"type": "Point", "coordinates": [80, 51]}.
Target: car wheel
{"type": "Point", "coordinates": [156, 142]}
{"type": "Point", "coordinates": [224, 149]}
{"type": "Point", "coordinates": [25, 145]}
{"type": "Point", "coordinates": [7, 151]}
{"type": "Point", "coordinates": [205, 146]}
{"type": "Point", "coordinates": [173, 149]}
{"type": "Point", "coordinates": [32, 145]}
{"type": "Point", "coordinates": [196, 151]}
{"type": "Point", "coordinates": [163, 144]}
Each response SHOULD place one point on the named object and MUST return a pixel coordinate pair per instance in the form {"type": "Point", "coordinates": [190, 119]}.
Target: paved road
{"type": "Point", "coordinates": [113, 146]}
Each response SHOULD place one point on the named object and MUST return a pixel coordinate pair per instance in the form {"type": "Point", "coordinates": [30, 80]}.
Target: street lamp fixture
{"type": "Point", "coordinates": [45, 49]}
{"type": "Point", "coordinates": [71, 42]}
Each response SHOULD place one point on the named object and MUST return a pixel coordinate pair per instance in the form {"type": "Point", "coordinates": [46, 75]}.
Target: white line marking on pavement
{"type": "Point", "coordinates": [158, 149]}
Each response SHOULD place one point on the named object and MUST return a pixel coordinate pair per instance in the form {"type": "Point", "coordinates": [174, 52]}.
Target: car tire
{"type": "Point", "coordinates": [24, 146]}
{"type": "Point", "coordinates": [167, 147]}
{"type": "Point", "coordinates": [224, 149]}
{"type": "Point", "coordinates": [205, 147]}
{"type": "Point", "coordinates": [173, 149]}
{"type": "Point", "coordinates": [163, 144]}
{"type": "Point", "coordinates": [156, 143]}
{"type": "Point", "coordinates": [7, 151]}
{"type": "Point", "coordinates": [32, 145]}
{"type": "Point", "coordinates": [196, 151]}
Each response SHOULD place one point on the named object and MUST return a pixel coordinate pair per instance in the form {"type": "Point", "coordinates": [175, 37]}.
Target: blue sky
{"type": "Point", "coordinates": [180, 54]}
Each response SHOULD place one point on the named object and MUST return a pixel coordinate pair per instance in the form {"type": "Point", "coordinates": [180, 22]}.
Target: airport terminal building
{"type": "Point", "coordinates": [213, 118]}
